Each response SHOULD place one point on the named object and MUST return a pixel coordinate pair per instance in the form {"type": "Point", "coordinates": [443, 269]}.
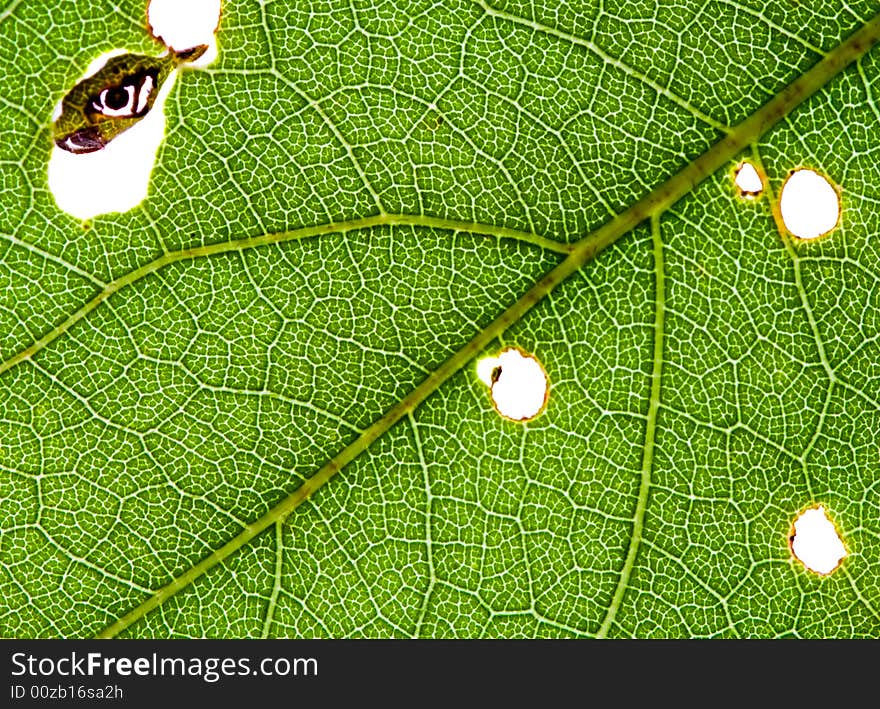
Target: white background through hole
{"type": "Point", "coordinates": [809, 204]}
{"type": "Point", "coordinates": [520, 390]}
{"type": "Point", "coordinates": [816, 543]}
{"type": "Point", "coordinates": [115, 178]}
{"type": "Point", "coordinates": [183, 24]}
{"type": "Point", "coordinates": [747, 179]}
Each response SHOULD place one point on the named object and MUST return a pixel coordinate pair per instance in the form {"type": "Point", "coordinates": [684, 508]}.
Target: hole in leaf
{"type": "Point", "coordinates": [91, 70]}
{"type": "Point", "coordinates": [814, 541]}
{"type": "Point", "coordinates": [182, 24]}
{"type": "Point", "coordinates": [809, 204]}
{"type": "Point", "coordinates": [748, 181]}
{"type": "Point", "coordinates": [116, 177]}
{"type": "Point", "coordinates": [518, 383]}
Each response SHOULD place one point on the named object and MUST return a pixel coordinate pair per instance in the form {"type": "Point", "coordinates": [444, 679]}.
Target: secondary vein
{"type": "Point", "coordinates": [650, 430]}
{"type": "Point", "coordinates": [275, 238]}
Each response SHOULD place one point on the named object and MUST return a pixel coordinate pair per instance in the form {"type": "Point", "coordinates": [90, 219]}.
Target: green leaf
{"type": "Point", "coordinates": [249, 407]}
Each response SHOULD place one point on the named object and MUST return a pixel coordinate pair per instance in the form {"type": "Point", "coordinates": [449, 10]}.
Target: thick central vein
{"type": "Point", "coordinates": [653, 204]}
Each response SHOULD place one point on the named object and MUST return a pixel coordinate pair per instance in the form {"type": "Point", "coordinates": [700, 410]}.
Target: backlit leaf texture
{"type": "Point", "coordinates": [710, 378]}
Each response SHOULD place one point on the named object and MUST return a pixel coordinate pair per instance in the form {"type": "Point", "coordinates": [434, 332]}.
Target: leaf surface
{"type": "Point", "coordinates": [710, 378]}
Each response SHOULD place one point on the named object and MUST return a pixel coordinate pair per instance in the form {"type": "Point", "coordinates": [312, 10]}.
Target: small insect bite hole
{"type": "Point", "coordinates": [748, 181]}
{"type": "Point", "coordinates": [809, 204]}
{"type": "Point", "coordinates": [815, 542]}
{"type": "Point", "coordinates": [517, 382]}
{"type": "Point", "coordinates": [183, 25]}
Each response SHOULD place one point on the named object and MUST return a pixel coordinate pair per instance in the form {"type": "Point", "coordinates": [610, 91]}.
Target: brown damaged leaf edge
{"type": "Point", "coordinates": [739, 138]}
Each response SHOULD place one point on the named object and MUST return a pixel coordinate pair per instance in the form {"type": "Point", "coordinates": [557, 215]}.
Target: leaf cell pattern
{"type": "Point", "coordinates": [347, 198]}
